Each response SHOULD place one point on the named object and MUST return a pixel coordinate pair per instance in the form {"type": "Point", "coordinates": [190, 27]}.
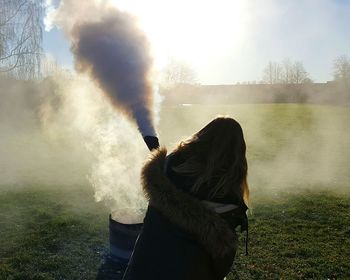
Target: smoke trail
{"type": "Point", "coordinates": [104, 136]}
{"type": "Point", "coordinates": [111, 48]}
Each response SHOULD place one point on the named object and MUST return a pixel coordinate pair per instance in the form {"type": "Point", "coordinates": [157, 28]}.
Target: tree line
{"type": "Point", "coordinates": [285, 72]}
{"type": "Point", "coordinates": [288, 72]}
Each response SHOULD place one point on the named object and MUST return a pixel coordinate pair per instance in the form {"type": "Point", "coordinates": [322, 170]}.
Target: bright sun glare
{"type": "Point", "coordinates": [190, 30]}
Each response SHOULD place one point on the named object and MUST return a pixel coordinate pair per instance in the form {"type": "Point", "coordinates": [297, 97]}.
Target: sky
{"type": "Point", "coordinates": [230, 41]}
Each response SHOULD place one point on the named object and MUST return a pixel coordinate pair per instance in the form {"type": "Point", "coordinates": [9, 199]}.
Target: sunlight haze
{"type": "Point", "coordinates": [232, 41]}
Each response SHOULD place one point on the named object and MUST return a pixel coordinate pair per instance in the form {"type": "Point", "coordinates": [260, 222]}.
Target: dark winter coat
{"type": "Point", "coordinates": [182, 238]}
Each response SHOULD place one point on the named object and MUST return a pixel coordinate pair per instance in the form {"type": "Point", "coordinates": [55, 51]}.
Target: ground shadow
{"type": "Point", "coordinates": [111, 269]}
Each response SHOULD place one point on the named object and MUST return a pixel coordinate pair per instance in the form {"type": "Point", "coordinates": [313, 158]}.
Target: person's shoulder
{"type": "Point", "coordinates": [174, 158]}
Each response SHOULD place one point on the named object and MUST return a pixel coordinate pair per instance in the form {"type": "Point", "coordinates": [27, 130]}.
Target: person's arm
{"type": "Point", "coordinates": [223, 265]}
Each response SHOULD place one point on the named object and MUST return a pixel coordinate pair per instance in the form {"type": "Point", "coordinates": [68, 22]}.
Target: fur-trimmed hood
{"type": "Point", "coordinates": [184, 210]}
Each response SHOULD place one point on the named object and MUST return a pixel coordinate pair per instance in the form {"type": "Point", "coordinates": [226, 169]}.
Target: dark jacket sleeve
{"type": "Point", "coordinates": [235, 218]}
{"type": "Point", "coordinates": [222, 265]}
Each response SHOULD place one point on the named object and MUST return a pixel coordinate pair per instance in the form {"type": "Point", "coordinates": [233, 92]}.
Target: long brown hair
{"type": "Point", "coordinates": [216, 156]}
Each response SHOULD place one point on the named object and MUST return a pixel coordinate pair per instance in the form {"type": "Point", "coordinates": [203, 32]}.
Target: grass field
{"type": "Point", "coordinates": [300, 201]}
{"type": "Point", "coordinates": [303, 236]}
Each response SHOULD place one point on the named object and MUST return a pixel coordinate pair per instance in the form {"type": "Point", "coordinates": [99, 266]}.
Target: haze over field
{"type": "Point", "coordinates": [82, 128]}
{"type": "Point", "coordinates": [70, 135]}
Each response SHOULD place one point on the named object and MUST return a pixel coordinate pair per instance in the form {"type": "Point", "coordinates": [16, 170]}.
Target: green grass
{"type": "Point", "coordinates": [51, 234]}
{"type": "Point", "coordinates": [304, 235]}
{"type": "Point", "coordinates": [300, 201]}
{"type": "Point", "coordinates": [298, 236]}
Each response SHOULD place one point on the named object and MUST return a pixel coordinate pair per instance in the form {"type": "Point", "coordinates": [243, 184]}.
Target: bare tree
{"type": "Point", "coordinates": [287, 72]}
{"type": "Point", "coordinates": [272, 73]}
{"type": "Point", "coordinates": [341, 67]}
{"type": "Point", "coordinates": [177, 72]}
{"type": "Point", "coordinates": [21, 38]}
{"type": "Point", "coordinates": [299, 74]}
{"type": "Point", "coordinates": [287, 68]}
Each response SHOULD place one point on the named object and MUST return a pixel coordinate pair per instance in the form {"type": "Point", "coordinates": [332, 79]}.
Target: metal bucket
{"type": "Point", "coordinates": [122, 239]}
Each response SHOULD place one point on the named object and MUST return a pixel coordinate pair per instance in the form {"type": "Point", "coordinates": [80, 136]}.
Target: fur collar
{"type": "Point", "coordinates": [184, 210]}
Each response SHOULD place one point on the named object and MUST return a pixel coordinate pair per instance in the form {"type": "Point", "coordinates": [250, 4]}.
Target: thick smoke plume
{"type": "Point", "coordinates": [109, 46]}
{"type": "Point", "coordinates": [62, 132]}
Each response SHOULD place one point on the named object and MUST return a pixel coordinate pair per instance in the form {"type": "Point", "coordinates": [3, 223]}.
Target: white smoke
{"type": "Point", "coordinates": [108, 46]}
{"type": "Point", "coordinates": [115, 146]}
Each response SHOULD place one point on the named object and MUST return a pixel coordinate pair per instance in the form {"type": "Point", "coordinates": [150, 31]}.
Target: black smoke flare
{"type": "Point", "coordinates": [115, 52]}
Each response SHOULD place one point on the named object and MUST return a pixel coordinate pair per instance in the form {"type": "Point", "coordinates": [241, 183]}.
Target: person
{"type": "Point", "coordinates": [197, 198]}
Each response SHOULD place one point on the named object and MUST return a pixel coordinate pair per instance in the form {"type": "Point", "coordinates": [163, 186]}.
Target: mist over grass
{"type": "Point", "coordinates": [30, 154]}
{"type": "Point", "coordinates": [68, 160]}
{"type": "Point", "coordinates": [289, 146]}
{"type": "Point", "coordinates": [63, 132]}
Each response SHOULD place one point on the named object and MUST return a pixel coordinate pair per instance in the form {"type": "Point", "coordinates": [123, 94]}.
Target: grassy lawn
{"type": "Point", "coordinates": [298, 236]}
{"type": "Point", "coordinates": [51, 234]}
{"type": "Point", "coordinates": [300, 201]}
{"type": "Point", "coordinates": [292, 236]}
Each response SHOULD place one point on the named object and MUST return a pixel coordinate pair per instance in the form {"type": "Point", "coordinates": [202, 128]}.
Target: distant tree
{"type": "Point", "coordinates": [177, 72]}
{"type": "Point", "coordinates": [286, 72]}
{"type": "Point", "coordinates": [272, 73]}
{"type": "Point", "coordinates": [341, 67]}
{"type": "Point", "coordinates": [20, 38]}
{"type": "Point", "coordinates": [299, 74]}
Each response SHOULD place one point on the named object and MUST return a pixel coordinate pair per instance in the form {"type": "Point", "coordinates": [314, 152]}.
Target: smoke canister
{"type": "Point", "coordinates": [152, 142]}
{"type": "Point", "coordinates": [123, 233]}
